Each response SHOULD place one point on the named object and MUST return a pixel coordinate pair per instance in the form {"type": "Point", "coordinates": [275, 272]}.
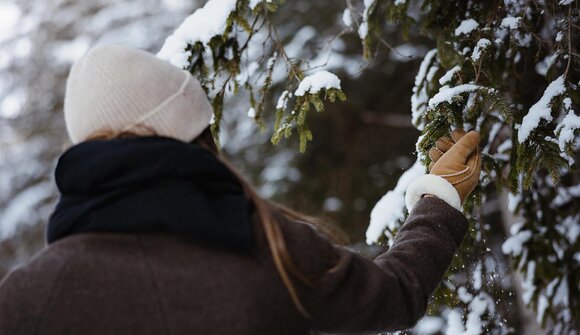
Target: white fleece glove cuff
{"type": "Point", "coordinates": [435, 185]}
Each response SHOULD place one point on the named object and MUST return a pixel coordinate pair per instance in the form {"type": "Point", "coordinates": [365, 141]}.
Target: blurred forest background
{"type": "Point", "coordinates": [359, 151]}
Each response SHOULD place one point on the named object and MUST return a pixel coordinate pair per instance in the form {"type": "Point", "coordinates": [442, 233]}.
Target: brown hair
{"type": "Point", "coordinates": [265, 210]}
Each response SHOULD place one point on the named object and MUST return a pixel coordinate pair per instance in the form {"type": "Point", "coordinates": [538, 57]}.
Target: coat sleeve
{"type": "Point", "coordinates": [356, 294]}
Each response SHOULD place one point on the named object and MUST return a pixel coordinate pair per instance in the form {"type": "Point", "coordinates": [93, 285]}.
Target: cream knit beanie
{"type": "Point", "coordinates": [115, 88]}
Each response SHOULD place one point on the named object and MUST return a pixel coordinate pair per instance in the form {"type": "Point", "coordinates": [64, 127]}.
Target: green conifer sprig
{"type": "Point", "coordinates": [219, 64]}
{"type": "Point", "coordinates": [286, 123]}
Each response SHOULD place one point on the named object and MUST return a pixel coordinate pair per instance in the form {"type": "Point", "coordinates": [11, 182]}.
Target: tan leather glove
{"type": "Point", "coordinates": [458, 160]}
{"type": "Point", "coordinates": [454, 172]}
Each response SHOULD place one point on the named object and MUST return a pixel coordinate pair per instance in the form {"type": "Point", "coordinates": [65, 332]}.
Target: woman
{"type": "Point", "coordinates": [155, 233]}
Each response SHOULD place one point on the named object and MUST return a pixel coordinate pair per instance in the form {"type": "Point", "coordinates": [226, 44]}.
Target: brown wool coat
{"type": "Point", "coordinates": [105, 283]}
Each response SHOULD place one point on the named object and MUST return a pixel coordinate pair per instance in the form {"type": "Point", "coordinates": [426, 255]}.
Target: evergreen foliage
{"type": "Point", "coordinates": [219, 66]}
{"type": "Point", "coordinates": [477, 77]}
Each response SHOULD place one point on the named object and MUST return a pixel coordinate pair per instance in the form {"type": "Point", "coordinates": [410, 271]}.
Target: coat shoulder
{"type": "Point", "coordinates": [26, 290]}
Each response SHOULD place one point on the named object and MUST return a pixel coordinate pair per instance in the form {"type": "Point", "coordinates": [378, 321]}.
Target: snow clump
{"type": "Point", "coordinates": [201, 26]}
{"type": "Point", "coordinates": [482, 44]}
{"type": "Point", "coordinates": [314, 83]}
{"type": "Point", "coordinates": [390, 208]}
{"type": "Point", "coordinates": [363, 29]}
{"type": "Point", "coordinates": [565, 131]}
{"type": "Point", "coordinates": [283, 100]}
{"type": "Point", "coordinates": [255, 3]}
{"type": "Point", "coordinates": [420, 97]}
{"type": "Point", "coordinates": [449, 75]}
{"type": "Point", "coordinates": [511, 22]}
{"type": "Point", "coordinates": [514, 245]}
{"type": "Point", "coordinates": [447, 94]}
{"type": "Point", "coordinates": [347, 17]}
{"type": "Point", "coordinates": [541, 109]}
{"type": "Point", "coordinates": [466, 27]}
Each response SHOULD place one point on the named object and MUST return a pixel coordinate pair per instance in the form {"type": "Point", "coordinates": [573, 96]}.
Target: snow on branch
{"type": "Point", "coordinates": [514, 245]}
{"type": "Point", "coordinates": [541, 109]}
{"type": "Point", "coordinates": [363, 29]}
{"type": "Point", "coordinates": [314, 83]}
{"type": "Point", "coordinates": [420, 98]}
{"type": "Point", "coordinates": [466, 27]}
{"type": "Point", "coordinates": [283, 100]}
{"type": "Point", "coordinates": [307, 95]}
{"type": "Point", "coordinates": [449, 75]}
{"type": "Point", "coordinates": [254, 3]}
{"type": "Point", "coordinates": [390, 209]}
{"type": "Point", "coordinates": [448, 94]}
{"type": "Point", "coordinates": [482, 44]}
{"type": "Point", "coordinates": [565, 132]}
{"type": "Point", "coordinates": [511, 22]}
{"type": "Point", "coordinates": [201, 26]}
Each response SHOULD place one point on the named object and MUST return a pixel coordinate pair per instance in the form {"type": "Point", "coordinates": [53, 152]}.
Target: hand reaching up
{"type": "Point", "coordinates": [454, 172]}
{"type": "Point", "coordinates": [458, 160]}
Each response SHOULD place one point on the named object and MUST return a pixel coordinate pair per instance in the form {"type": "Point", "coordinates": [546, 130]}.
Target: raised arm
{"type": "Point", "coordinates": [356, 294]}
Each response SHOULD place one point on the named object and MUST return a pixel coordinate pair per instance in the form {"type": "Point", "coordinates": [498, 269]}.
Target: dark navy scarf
{"type": "Point", "coordinates": [149, 184]}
